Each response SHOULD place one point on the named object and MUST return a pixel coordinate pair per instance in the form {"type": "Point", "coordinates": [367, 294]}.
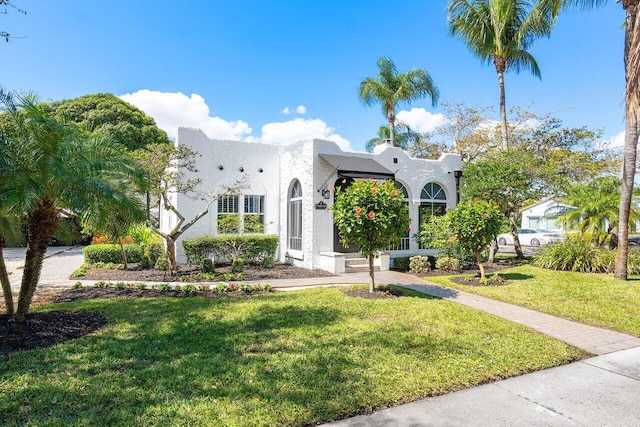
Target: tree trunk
{"type": "Point", "coordinates": [392, 129]}
{"type": "Point", "coordinates": [632, 109]}
{"type": "Point", "coordinates": [493, 250]}
{"type": "Point", "coordinates": [372, 286]}
{"type": "Point", "coordinates": [479, 261]}
{"type": "Point", "coordinates": [501, 65]}
{"type": "Point", "coordinates": [514, 233]}
{"type": "Point", "coordinates": [6, 283]}
{"type": "Point", "coordinates": [41, 226]}
{"type": "Point", "coordinates": [123, 253]}
{"type": "Point", "coordinates": [171, 254]}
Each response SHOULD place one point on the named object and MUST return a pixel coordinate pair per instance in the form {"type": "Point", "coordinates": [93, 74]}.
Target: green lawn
{"type": "Point", "coordinates": [595, 299]}
{"type": "Point", "coordinates": [291, 358]}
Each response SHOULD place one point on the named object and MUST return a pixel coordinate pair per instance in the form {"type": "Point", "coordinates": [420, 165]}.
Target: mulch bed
{"type": "Point", "coordinates": [46, 329]}
{"type": "Point", "coordinates": [381, 292]}
{"type": "Point", "coordinates": [251, 272]}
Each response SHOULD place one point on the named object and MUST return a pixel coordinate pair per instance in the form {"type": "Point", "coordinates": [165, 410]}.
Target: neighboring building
{"type": "Point", "coordinates": [289, 192]}
{"type": "Point", "coordinates": [544, 214]}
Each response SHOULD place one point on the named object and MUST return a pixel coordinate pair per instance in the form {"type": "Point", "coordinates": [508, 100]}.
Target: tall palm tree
{"type": "Point", "coordinates": [632, 116]}
{"type": "Point", "coordinates": [47, 165]}
{"type": "Point", "coordinates": [403, 137]}
{"type": "Point", "coordinates": [501, 31]}
{"type": "Point", "coordinates": [391, 88]}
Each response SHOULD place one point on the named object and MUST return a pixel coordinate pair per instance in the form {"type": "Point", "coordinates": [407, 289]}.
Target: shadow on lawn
{"type": "Point", "coordinates": [516, 276]}
{"type": "Point", "coordinates": [158, 360]}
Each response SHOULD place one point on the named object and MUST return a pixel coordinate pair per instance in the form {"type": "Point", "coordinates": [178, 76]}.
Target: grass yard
{"type": "Point", "coordinates": [595, 299]}
{"type": "Point", "coordinates": [294, 358]}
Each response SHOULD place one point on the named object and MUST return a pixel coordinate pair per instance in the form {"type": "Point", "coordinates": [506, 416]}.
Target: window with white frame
{"type": "Point", "coordinates": [295, 217]}
{"type": "Point", "coordinates": [231, 220]}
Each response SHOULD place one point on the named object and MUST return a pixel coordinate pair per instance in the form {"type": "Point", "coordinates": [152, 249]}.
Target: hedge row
{"type": "Point", "coordinates": [254, 249]}
{"type": "Point", "coordinates": [107, 253]}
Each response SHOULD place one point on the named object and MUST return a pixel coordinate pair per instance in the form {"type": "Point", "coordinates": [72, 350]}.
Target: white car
{"type": "Point", "coordinates": [531, 237]}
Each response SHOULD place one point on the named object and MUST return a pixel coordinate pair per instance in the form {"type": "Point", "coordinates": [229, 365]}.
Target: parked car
{"type": "Point", "coordinates": [532, 237]}
{"type": "Point", "coordinates": [634, 242]}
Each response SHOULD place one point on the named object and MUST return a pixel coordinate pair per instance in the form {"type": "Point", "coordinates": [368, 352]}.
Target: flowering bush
{"type": "Point", "coordinates": [372, 215]}
{"type": "Point", "coordinates": [474, 225]}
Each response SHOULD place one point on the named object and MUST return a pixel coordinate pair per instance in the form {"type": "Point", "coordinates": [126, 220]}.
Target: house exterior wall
{"type": "Point", "coordinates": [283, 164]}
{"type": "Point", "coordinates": [538, 216]}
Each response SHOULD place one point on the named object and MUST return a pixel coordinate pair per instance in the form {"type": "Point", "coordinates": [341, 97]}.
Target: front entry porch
{"type": "Point", "coordinates": [343, 262]}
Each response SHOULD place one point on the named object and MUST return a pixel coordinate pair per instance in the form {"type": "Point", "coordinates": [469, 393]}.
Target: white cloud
{"type": "Point", "coordinates": [421, 120]}
{"type": "Point", "coordinates": [617, 141]}
{"type": "Point", "coordinates": [172, 110]}
{"type": "Point", "coordinates": [301, 129]}
{"type": "Point", "coordinates": [301, 109]}
{"type": "Point", "coordinates": [286, 110]}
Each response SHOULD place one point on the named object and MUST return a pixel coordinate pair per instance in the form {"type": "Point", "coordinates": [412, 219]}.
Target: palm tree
{"type": "Point", "coordinates": [392, 88]}
{"type": "Point", "coordinates": [403, 137]}
{"type": "Point", "coordinates": [632, 116]}
{"type": "Point", "coordinates": [47, 165]}
{"type": "Point", "coordinates": [597, 207]}
{"type": "Point", "coordinates": [501, 31]}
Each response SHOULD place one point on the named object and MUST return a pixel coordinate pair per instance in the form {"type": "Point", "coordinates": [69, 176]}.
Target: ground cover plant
{"type": "Point", "coordinates": [594, 299]}
{"type": "Point", "coordinates": [294, 358]}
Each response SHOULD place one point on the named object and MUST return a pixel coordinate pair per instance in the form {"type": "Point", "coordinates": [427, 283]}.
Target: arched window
{"type": "Point", "coordinates": [295, 217]}
{"type": "Point", "coordinates": [433, 201]}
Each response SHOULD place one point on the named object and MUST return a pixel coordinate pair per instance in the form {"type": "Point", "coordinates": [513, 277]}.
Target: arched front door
{"type": "Point", "coordinates": [341, 183]}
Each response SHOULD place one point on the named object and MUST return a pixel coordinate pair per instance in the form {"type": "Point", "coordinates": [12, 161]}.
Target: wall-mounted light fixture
{"type": "Point", "coordinates": [220, 167]}
{"type": "Point", "coordinates": [321, 205]}
{"type": "Point", "coordinates": [241, 169]}
{"type": "Point", "coordinates": [260, 170]}
{"type": "Point", "coordinates": [326, 194]}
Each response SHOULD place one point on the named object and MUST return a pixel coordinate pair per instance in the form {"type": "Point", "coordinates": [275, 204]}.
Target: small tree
{"type": "Point", "coordinates": [474, 225]}
{"type": "Point", "coordinates": [372, 215]}
{"type": "Point", "coordinates": [167, 167]}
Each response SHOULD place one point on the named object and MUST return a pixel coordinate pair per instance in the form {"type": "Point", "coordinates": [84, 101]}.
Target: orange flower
{"type": "Point", "coordinates": [394, 192]}
{"type": "Point", "coordinates": [371, 214]}
{"type": "Point", "coordinates": [358, 210]}
{"type": "Point", "coordinates": [409, 230]}
{"type": "Point", "coordinates": [356, 190]}
{"type": "Point", "coordinates": [486, 215]}
{"type": "Point", "coordinates": [374, 190]}
{"type": "Point", "coordinates": [452, 239]}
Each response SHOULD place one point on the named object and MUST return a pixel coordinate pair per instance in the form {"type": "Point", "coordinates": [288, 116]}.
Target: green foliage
{"type": "Point", "coordinates": [109, 116]}
{"type": "Point", "coordinates": [82, 270]}
{"type": "Point", "coordinates": [153, 251]}
{"type": "Point", "coordinates": [419, 264]}
{"type": "Point", "coordinates": [221, 288]}
{"type": "Point", "coordinates": [188, 289]}
{"type": "Point", "coordinates": [229, 224]}
{"type": "Point", "coordinates": [76, 285]}
{"type": "Point", "coordinates": [237, 265]}
{"type": "Point", "coordinates": [110, 253]}
{"type": "Point", "coordinates": [206, 265]}
{"type": "Point", "coordinates": [401, 263]}
{"type": "Point", "coordinates": [165, 287]}
{"type": "Point", "coordinates": [448, 263]}
{"type": "Point", "coordinates": [253, 224]}
{"type": "Point", "coordinates": [437, 233]}
{"type": "Point", "coordinates": [252, 248]}
{"type": "Point", "coordinates": [581, 256]}
{"type": "Point", "coordinates": [142, 234]}
{"type": "Point", "coordinates": [141, 286]}
{"type": "Point", "coordinates": [268, 262]}
{"type": "Point", "coordinates": [370, 214]}
{"type": "Point", "coordinates": [161, 264]}
{"type": "Point", "coordinates": [475, 224]}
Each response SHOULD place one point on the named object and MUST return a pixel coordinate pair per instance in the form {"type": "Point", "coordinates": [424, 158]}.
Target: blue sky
{"type": "Point", "coordinates": [240, 69]}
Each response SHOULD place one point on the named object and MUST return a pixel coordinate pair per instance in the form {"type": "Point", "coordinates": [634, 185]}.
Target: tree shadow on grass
{"type": "Point", "coordinates": [516, 276]}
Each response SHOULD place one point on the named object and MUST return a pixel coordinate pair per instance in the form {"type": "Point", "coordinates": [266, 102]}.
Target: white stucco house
{"type": "Point", "coordinates": [289, 193]}
{"type": "Point", "coordinates": [544, 214]}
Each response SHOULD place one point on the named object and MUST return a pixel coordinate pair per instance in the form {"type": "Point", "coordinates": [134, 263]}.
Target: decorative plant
{"type": "Point", "coordinates": [474, 225]}
{"type": "Point", "coordinates": [372, 215]}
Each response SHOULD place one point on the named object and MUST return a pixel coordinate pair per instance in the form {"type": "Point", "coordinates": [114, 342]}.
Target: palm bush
{"type": "Point", "coordinates": [581, 256]}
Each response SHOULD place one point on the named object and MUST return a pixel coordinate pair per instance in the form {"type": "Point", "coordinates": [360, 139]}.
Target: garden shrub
{"type": "Point", "coordinates": [253, 248]}
{"type": "Point", "coordinates": [162, 264]}
{"type": "Point", "coordinates": [206, 266]}
{"type": "Point", "coordinates": [448, 263]}
{"type": "Point", "coordinates": [401, 263]}
{"type": "Point", "coordinates": [154, 250]}
{"type": "Point", "coordinates": [419, 264]}
{"type": "Point", "coordinates": [582, 256]}
{"type": "Point", "coordinates": [237, 265]}
{"type": "Point", "coordinates": [110, 253]}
